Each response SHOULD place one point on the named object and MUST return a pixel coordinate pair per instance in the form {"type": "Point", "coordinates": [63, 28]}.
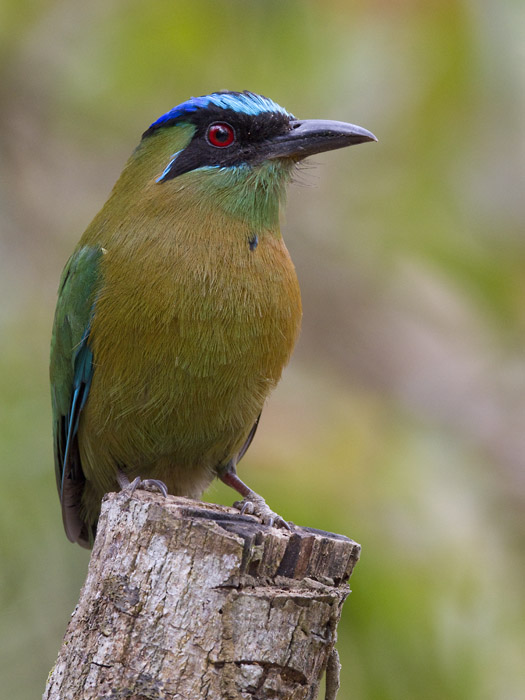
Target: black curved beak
{"type": "Point", "coordinates": [310, 136]}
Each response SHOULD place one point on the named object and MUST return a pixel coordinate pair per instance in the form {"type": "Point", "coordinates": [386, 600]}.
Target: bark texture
{"type": "Point", "coordinates": [190, 601]}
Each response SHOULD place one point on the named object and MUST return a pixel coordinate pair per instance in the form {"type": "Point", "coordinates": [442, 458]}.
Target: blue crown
{"type": "Point", "coordinates": [241, 102]}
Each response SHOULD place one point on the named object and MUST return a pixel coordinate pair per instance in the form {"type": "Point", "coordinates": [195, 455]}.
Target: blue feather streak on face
{"type": "Point", "coordinates": [244, 102]}
{"type": "Point", "coordinates": [168, 167]}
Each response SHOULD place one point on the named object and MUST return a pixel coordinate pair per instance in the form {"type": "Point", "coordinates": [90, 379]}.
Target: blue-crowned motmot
{"type": "Point", "coordinates": [180, 306]}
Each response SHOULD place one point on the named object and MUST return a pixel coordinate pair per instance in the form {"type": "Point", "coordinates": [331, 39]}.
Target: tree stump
{"type": "Point", "coordinates": [190, 601]}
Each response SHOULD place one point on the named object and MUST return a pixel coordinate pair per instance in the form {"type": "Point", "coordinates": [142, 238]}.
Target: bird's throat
{"type": "Point", "coordinates": [251, 194]}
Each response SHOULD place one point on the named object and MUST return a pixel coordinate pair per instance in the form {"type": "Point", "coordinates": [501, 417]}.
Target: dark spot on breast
{"type": "Point", "coordinates": [253, 241]}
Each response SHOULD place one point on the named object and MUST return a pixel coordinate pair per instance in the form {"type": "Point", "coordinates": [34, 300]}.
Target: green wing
{"type": "Point", "coordinates": [71, 371]}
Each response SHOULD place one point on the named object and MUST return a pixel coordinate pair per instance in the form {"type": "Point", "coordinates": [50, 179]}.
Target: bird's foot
{"type": "Point", "coordinates": [155, 485]}
{"type": "Point", "coordinates": [253, 504]}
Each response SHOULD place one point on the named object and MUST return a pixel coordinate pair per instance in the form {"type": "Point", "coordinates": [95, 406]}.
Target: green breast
{"type": "Point", "coordinates": [189, 337]}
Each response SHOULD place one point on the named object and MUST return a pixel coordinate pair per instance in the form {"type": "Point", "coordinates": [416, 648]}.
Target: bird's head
{"type": "Point", "coordinates": [236, 150]}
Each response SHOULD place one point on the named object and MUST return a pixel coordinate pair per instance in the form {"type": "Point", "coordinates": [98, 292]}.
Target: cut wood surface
{"type": "Point", "coordinates": [191, 601]}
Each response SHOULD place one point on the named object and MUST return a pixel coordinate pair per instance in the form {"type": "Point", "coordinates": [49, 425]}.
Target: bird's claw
{"type": "Point", "coordinates": [245, 507]}
{"type": "Point", "coordinates": [256, 505]}
{"type": "Point", "coordinates": [147, 485]}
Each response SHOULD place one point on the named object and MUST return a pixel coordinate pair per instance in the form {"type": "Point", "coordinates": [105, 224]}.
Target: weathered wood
{"type": "Point", "coordinates": [191, 601]}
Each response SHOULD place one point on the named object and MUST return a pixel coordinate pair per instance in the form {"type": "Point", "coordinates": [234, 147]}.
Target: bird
{"type": "Point", "coordinates": [180, 307]}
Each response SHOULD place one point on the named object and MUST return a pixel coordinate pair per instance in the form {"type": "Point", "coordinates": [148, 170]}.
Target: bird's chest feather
{"type": "Point", "coordinates": [181, 320]}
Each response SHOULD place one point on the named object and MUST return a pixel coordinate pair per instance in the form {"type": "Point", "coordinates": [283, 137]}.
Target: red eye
{"type": "Point", "coordinates": [221, 135]}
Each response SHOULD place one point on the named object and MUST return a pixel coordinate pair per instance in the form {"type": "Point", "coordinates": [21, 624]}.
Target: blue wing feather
{"type": "Point", "coordinates": [81, 384]}
{"type": "Point", "coordinates": [71, 373]}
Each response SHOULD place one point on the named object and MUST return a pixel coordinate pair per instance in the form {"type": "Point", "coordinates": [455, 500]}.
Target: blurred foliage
{"type": "Point", "coordinates": [400, 420]}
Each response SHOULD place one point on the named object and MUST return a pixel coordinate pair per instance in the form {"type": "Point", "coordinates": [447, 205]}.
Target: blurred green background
{"type": "Point", "coordinates": [400, 421]}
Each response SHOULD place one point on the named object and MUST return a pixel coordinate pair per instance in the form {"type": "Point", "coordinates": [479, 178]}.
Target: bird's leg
{"type": "Point", "coordinates": [138, 483]}
{"type": "Point", "coordinates": [252, 503]}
